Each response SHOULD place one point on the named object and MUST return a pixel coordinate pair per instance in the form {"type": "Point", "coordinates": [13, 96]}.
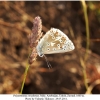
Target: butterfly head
{"type": "Point", "coordinates": [39, 51]}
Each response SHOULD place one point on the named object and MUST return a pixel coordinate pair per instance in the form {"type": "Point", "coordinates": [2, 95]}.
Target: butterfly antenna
{"type": "Point", "coordinates": [49, 65]}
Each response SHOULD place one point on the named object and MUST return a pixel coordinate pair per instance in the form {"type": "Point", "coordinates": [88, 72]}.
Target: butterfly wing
{"type": "Point", "coordinates": [55, 41]}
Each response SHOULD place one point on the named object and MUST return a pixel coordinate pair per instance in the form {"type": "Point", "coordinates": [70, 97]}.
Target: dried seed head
{"type": "Point", "coordinates": [36, 32]}
{"type": "Point", "coordinates": [34, 38]}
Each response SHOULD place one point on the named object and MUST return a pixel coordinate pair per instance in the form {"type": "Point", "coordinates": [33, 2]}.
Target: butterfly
{"type": "Point", "coordinates": [54, 41]}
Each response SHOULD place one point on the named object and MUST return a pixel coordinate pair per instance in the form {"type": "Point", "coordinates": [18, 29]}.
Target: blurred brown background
{"type": "Point", "coordinates": [66, 75]}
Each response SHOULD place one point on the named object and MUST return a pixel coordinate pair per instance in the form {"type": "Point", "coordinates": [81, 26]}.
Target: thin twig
{"type": "Point", "coordinates": [87, 28]}
{"type": "Point", "coordinates": [25, 74]}
{"type": "Point", "coordinates": [87, 43]}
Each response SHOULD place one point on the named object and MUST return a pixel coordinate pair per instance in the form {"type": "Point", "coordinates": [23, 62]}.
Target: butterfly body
{"type": "Point", "coordinates": [54, 41]}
